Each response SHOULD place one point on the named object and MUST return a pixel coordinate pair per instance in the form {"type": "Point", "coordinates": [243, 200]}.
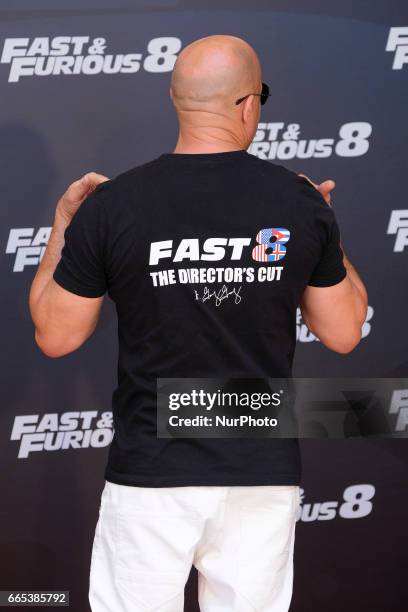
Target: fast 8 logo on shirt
{"type": "Point", "coordinates": [271, 244]}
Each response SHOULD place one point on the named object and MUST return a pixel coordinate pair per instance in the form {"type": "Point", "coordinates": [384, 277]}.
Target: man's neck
{"type": "Point", "coordinates": [207, 143]}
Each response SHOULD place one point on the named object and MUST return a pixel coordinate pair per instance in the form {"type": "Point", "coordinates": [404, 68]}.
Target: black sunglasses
{"type": "Point", "coordinates": [264, 95]}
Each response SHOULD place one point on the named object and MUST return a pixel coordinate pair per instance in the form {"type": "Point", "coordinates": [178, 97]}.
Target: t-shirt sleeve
{"type": "Point", "coordinates": [330, 268]}
{"type": "Point", "coordinates": [81, 267]}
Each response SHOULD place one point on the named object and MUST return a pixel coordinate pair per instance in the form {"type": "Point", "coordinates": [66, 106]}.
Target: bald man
{"type": "Point", "coordinates": [206, 251]}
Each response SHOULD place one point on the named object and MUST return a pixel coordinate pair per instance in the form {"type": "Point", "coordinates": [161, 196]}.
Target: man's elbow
{"type": "Point", "coordinates": [344, 343]}
{"type": "Point", "coordinates": [346, 348]}
{"type": "Point", "coordinates": [51, 348]}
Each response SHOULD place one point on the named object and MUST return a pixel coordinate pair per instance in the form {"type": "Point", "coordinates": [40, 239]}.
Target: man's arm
{"type": "Point", "coordinates": [337, 313]}
{"type": "Point", "coordinates": [63, 320]}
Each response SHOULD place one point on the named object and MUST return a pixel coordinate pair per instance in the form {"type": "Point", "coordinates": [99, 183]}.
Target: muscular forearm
{"type": "Point", "coordinates": [358, 288]}
{"type": "Point", "coordinates": [40, 298]}
{"type": "Point", "coordinates": [62, 320]}
{"type": "Point", "coordinates": [336, 314]}
{"type": "Point", "coordinates": [52, 255]}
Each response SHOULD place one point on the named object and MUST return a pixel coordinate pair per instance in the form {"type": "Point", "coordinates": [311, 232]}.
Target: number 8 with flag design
{"type": "Point", "coordinates": [271, 243]}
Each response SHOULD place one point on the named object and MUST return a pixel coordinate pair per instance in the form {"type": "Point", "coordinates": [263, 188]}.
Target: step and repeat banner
{"type": "Point", "coordinates": [85, 86]}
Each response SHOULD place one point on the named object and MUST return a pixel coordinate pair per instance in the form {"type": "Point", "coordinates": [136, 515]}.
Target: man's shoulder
{"type": "Point", "coordinates": [273, 175]}
{"type": "Point", "coordinates": [295, 188]}
{"type": "Point", "coordinates": [125, 182]}
{"type": "Point", "coordinates": [278, 172]}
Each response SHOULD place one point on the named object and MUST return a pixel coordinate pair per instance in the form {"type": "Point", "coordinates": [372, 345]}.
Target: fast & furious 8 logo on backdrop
{"type": "Point", "coordinates": [73, 55]}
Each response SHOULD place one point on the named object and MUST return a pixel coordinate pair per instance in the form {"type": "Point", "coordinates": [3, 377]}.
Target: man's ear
{"type": "Point", "coordinates": [248, 108]}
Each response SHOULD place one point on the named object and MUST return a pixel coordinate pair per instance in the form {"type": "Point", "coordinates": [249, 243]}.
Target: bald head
{"type": "Point", "coordinates": [212, 72]}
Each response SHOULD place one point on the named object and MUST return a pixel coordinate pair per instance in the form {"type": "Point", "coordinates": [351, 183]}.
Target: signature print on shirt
{"type": "Point", "coordinates": [220, 295]}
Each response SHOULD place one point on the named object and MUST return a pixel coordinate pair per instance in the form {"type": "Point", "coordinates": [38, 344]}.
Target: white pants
{"type": "Point", "coordinates": [240, 539]}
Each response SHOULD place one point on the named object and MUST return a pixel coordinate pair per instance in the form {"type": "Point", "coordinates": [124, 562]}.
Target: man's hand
{"type": "Point", "coordinates": [76, 193]}
{"type": "Point", "coordinates": [324, 188]}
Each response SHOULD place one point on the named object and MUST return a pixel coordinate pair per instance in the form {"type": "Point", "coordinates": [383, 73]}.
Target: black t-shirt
{"type": "Point", "coordinates": [162, 239]}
